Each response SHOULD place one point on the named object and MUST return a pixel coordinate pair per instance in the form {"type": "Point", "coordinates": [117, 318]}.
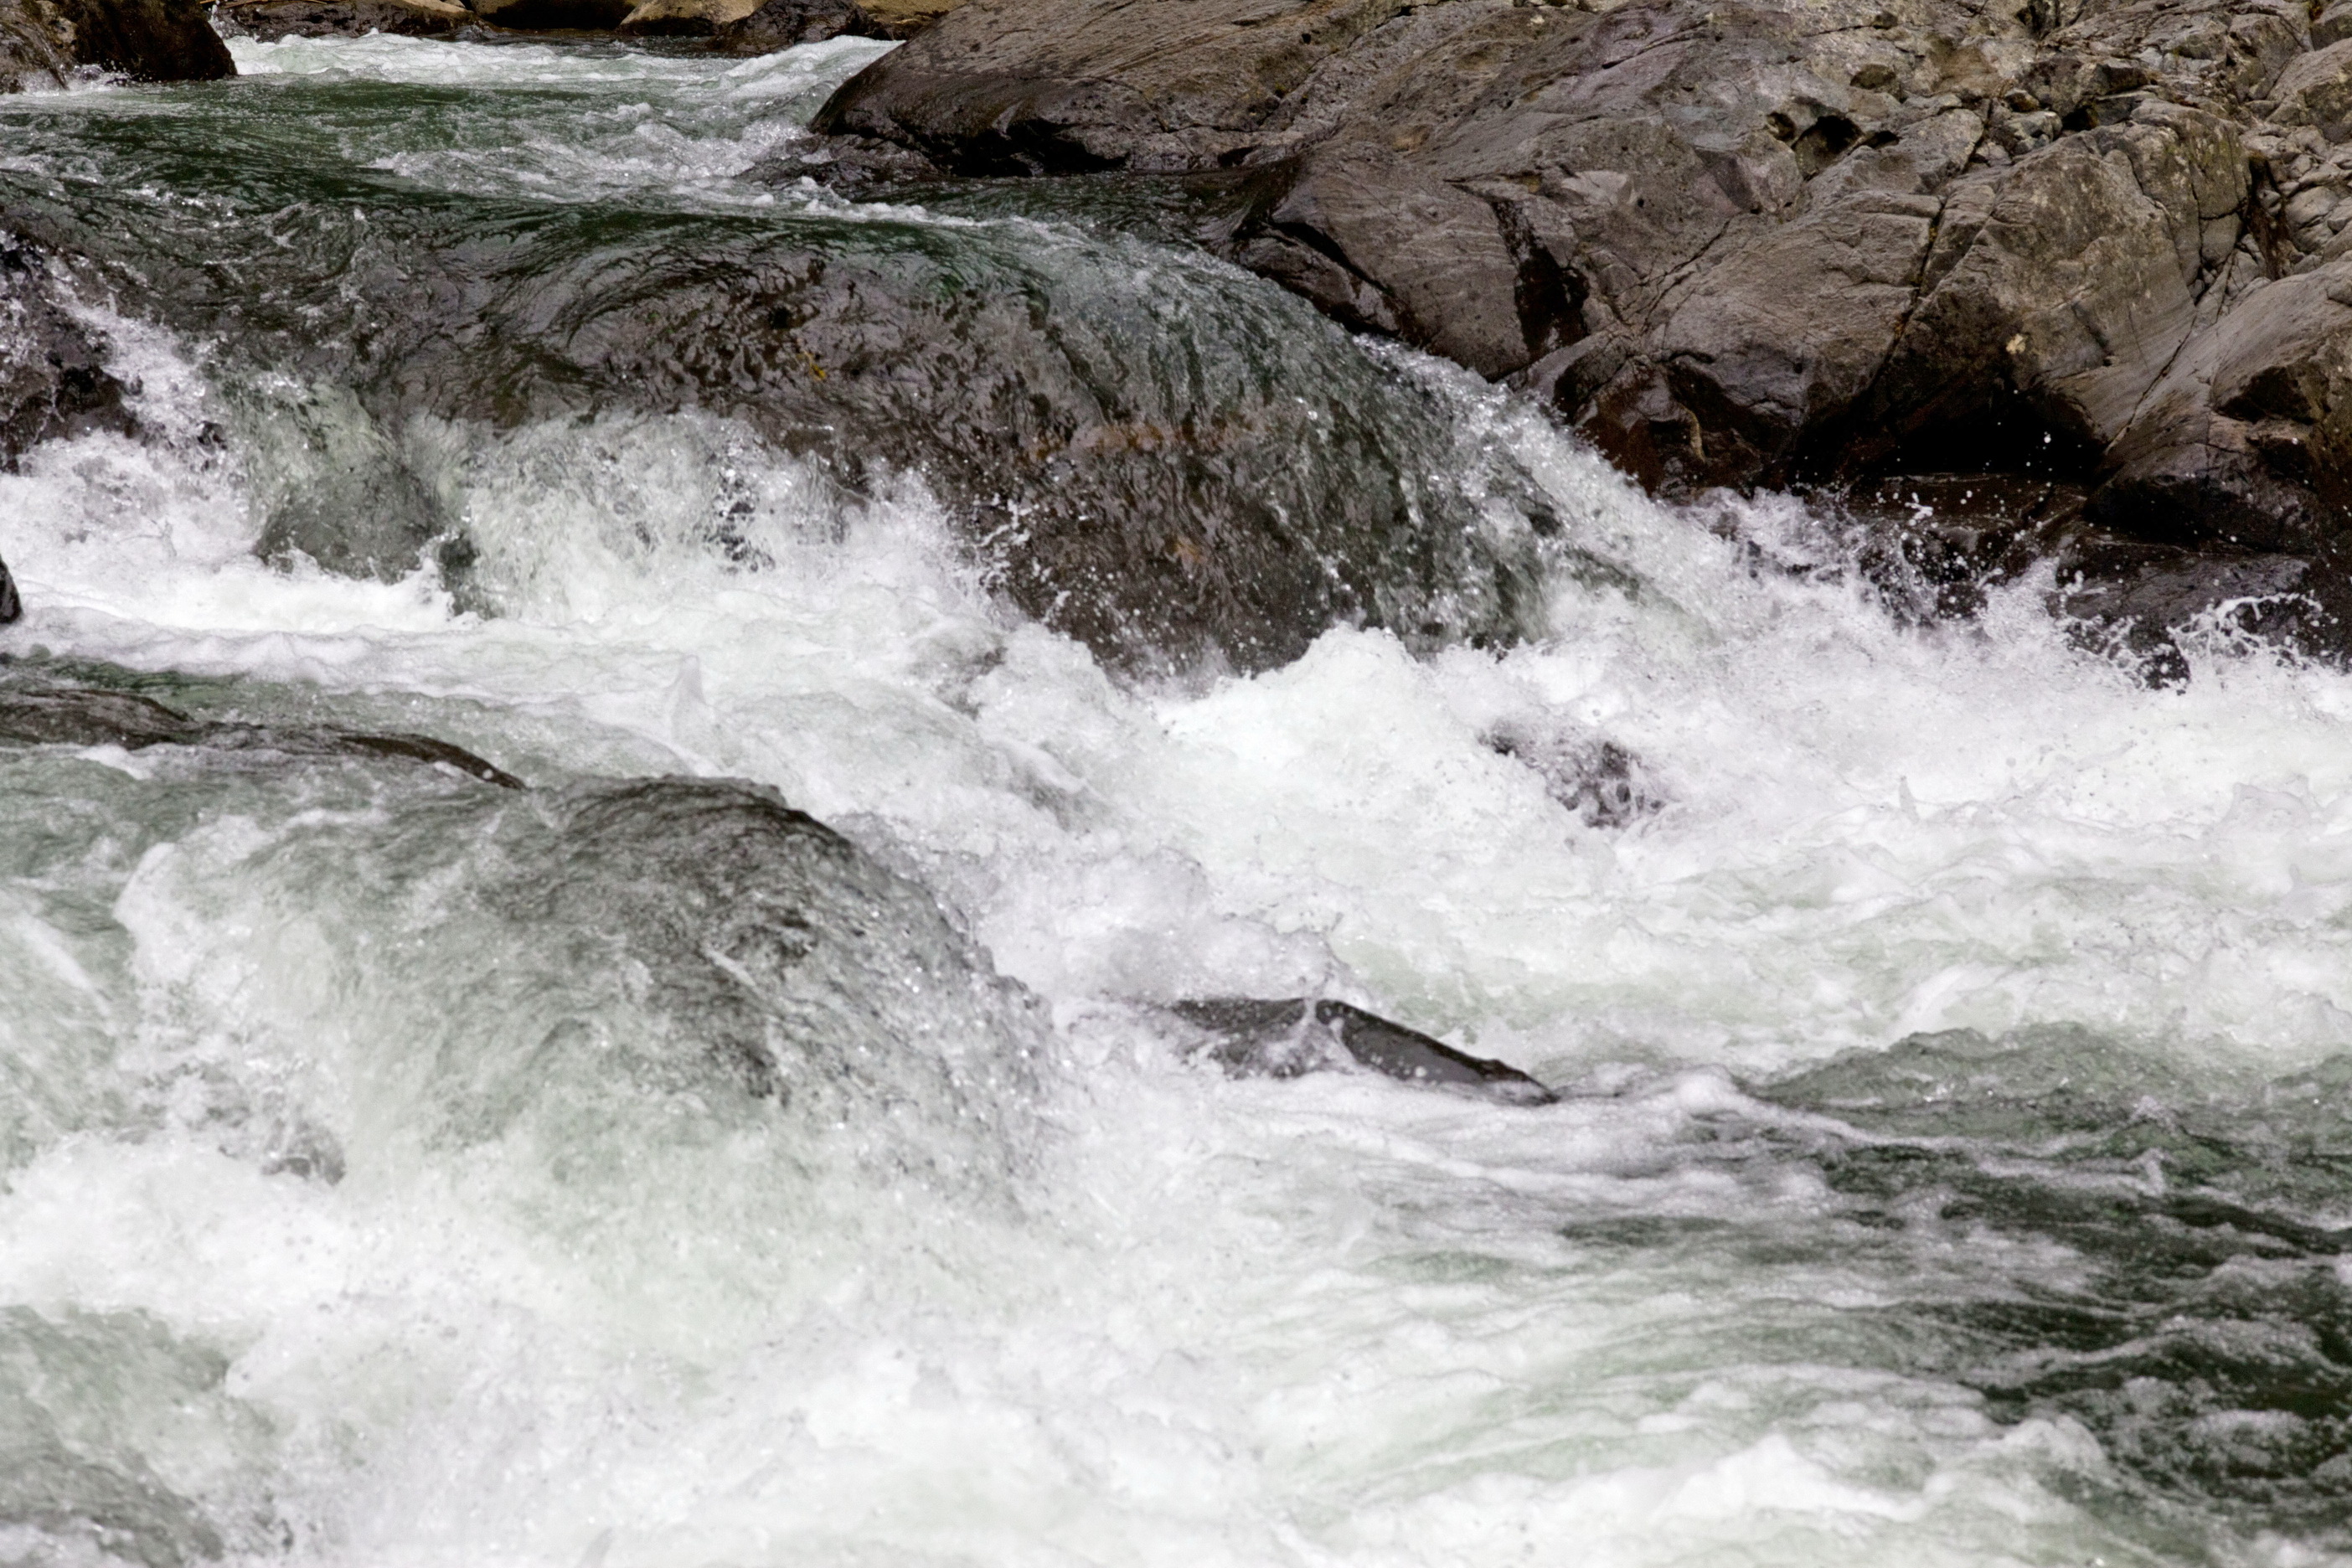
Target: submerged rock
{"type": "Point", "coordinates": [662, 979]}
{"type": "Point", "coordinates": [75, 716]}
{"type": "Point", "coordinates": [53, 377]}
{"type": "Point", "coordinates": [1284, 1038]}
{"type": "Point", "coordinates": [96, 1405]}
{"type": "Point", "coordinates": [1767, 243]}
{"type": "Point", "coordinates": [12, 608]}
{"type": "Point", "coordinates": [1597, 780]}
{"type": "Point", "coordinates": [43, 41]}
{"type": "Point", "coordinates": [790, 959]}
{"type": "Point", "coordinates": [1180, 468]}
{"type": "Point", "coordinates": [858, 167]}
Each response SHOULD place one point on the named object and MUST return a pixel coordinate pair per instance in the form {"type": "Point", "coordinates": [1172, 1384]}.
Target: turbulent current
{"type": "Point", "coordinates": [766, 1138]}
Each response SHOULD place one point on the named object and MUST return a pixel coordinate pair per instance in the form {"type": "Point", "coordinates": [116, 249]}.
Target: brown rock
{"type": "Point", "coordinates": [270, 20]}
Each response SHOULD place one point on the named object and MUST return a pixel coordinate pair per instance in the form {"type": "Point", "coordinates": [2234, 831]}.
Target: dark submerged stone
{"type": "Point", "coordinates": [854, 166]}
{"type": "Point", "coordinates": [1174, 467]}
{"type": "Point", "coordinates": [77, 716]}
{"type": "Point", "coordinates": [1284, 1038]}
{"type": "Point", "coordinates": [1597, 780]}
{"type": "Point", "coordinates": [691, 955]}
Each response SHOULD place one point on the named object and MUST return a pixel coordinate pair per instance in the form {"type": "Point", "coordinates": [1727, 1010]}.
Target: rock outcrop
{"type": "Point", "coordinates": [1764, 242]}
{"type": "Point", "coordinates": [43, 42]}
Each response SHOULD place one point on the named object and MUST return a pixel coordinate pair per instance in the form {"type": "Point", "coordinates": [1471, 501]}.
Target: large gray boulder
{"type": "Point", "coordinates": [1173, 465]}
{"type": "Point", "coordinates": [1759, 241]}
{"type": "Point", "coordinates": [42, 42]}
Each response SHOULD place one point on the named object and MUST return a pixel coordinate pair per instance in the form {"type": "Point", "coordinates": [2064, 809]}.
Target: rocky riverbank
{"type": "Point", "coordinates": [2097, 260]}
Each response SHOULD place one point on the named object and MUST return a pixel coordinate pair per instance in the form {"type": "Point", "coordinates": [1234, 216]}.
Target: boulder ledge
{"type": "Point", "coordinates": [1744, 242]}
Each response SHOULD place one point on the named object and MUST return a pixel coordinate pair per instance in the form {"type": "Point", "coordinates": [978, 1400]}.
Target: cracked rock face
{"type": "Point", "coordinates": [1743, 242]}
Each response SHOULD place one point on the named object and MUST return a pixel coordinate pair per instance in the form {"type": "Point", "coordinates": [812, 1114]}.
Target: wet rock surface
{"type": "Point", "coordinates": [42, 42]}
{"type": "Point", "coordinates": [53, 377]}
{"type": "Point", "coordinates": [678, 958]}
{"type": "Point", "coordinates": [1597, 780]}
{"type": "Point", "coordinates": [1253, 1037]}
{"type": "Point", "coordinates": [35, 714]}
{"type": "Point", "coordinates": [2100, 246]}
{"type": "Point", "coordinates": [1178, 468]}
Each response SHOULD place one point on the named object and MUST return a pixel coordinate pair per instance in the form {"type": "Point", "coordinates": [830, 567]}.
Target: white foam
{"type": "Point", "coordinates": [1320, 1323]}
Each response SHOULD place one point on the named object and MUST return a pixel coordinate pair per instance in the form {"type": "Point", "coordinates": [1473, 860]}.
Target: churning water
{"type": "Point", "coordinates": [1954, 1033]}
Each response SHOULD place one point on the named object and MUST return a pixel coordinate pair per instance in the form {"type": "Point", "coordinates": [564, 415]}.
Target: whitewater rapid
{"type": "Point", "coordinates": [1188, 1321]}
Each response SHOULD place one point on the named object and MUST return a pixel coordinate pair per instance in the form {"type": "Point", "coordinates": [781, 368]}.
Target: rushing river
{"type": "Point", "coordinates": [1953, 1161]}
